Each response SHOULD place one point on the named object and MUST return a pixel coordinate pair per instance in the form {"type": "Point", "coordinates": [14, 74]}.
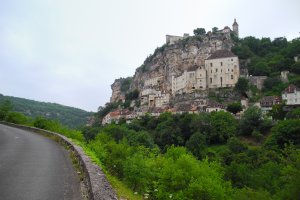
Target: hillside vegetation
{"type": "Point", "coordinates": [69, 116]}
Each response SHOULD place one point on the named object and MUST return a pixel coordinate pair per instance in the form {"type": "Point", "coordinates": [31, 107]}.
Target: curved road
{"type": "Point", "coordinates": [34, 167]}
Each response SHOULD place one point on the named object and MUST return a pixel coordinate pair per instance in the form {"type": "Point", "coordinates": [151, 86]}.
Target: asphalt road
{"type": "Point", "coordinates": [33, 167]}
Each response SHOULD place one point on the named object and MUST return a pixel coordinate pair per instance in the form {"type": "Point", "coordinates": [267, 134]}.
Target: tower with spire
{"type": "Point", "coordinates": [235, 28]}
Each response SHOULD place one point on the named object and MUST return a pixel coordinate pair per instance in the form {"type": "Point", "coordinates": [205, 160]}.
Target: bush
{"type": "Point", "coordinates": [17, 118]}
{"type": "Point", "coordinates": [285, 132]}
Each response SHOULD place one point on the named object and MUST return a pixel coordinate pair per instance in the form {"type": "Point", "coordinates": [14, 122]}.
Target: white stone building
{"type": "Point", "coordinates": [221, 70]}
{"type": "Point", "coordinates": [291, 95]}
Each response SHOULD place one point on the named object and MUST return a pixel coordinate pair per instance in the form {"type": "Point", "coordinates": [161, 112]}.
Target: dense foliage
{"type": "Point", "coordinates": [69, 116]}
{"type": "Point", "coordinates": [206, 158]}
{"type": "Point", "coordinates": [268, 56]}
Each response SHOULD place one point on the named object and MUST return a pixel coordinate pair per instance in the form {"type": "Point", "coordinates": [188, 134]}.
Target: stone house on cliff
{"type": "Point", "coordinates": [221, 70]}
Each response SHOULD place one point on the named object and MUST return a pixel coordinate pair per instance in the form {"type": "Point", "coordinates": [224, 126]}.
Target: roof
{"type": "Point", "coordinates": [290, 89]}
{"type": "Point", "coordinates": [269, 101]}
{"type": "Point", "coordinates": [234, 23]}
{"type": "Point", "coordinates": [221, 54]}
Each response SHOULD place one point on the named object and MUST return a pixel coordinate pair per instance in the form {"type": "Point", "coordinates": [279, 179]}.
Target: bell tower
{"type": "Point", "coordinates": [235, 28]}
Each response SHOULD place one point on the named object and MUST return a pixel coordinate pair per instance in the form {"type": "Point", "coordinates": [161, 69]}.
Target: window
{"type": "Point", "coordinates": [216, 69]}
{"type": "Point", "coordinates": [210, 71]}
{"type": "Point", "coordinates": [211, 64]}
{"type": "Point", "coordinates": [221, 70]}
{"type": "Point", "coordinates": [221, 63]}
{"type": "Point", "coordinates": [210, 80]}
{"type": "Point", "coordinates": [231, 76]}
{"type": "Point", "coordinates": [231, 59]}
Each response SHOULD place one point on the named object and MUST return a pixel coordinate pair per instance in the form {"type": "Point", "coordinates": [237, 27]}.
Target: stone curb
{"type": "Point", "coordinates": [94, 178]}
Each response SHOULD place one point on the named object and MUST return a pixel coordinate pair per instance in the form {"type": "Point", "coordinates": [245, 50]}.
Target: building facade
{"type": "Point", "coordinates": [291, 95]}
{"type": "Point", "coordinates": [221, 70]}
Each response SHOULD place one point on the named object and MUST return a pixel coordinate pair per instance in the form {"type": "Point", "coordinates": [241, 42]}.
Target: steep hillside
{"type": "Point", "coordinates": [172, 60]}
{"type": "Point", "coordinates": [69, 116]}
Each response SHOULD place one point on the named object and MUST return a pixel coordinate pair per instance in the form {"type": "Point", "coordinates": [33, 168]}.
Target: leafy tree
{"type": "Point", "coordinates": [234, 107]}
{"type": "Point", "coordinates": [285, 132]}
{"type": "Point", "coordinates": [137, 172]}
{"type": "Point", "coordinates": [125, 84]}
{"type": "Point", "coordinates": [260, 68]}
{"type": "Point", "coordinates": [236, 146]}
{"type": "Point", "coordinates": [196, 144]}
{"type": "Point", "coordinates": [243, 52]}
{"type": "Point", "coordinates": [278, 111]}
{"type": "Point", "coordinates": [132, 95]}
{"type": "Point", "coordinates": [5, 108]}
{"type": "Point", "coordinates": [215, 29]}
{"type": "Point", "coordinates": [16, 118]}
{"type": "Point", "coordinates": [89, 133]}
{"type": "Point", "coordinates": [242, 85]}
{"type": "Point", "coordinates": [140, 138]}
{"type": "Point", "coordinates": [167, 132]}
{"type": "Point", "coordinates": [280, 42]}
{"type": "Point", "coordinates": [199, 31]}
{"type": "Point", "coordinates": [251, 120]}
{"type": "Point", "coordinates": [250, 194]}
{"type": "Point", "coordinates": [296, 68]}
{"type": "Point", "coordinates": [271, 82]}
{"type": "Point", "coordinates": [293, 114]}
{"type": "Point", "coordinates": [222, 127]}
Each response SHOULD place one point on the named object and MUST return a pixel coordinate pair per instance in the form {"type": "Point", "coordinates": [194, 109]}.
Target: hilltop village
{"type": "Point", "coordinates": [191, 74]}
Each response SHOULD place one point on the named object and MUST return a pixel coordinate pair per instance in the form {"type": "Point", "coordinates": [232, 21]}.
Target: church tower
{"type": "Point", "coordinates": [235, 28]}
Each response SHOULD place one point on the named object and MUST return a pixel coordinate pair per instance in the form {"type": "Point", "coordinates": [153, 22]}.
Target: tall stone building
{"type": "Point", "coordinates": [235, 28]}
{"type": "Point", "coordinates": [221, 70]}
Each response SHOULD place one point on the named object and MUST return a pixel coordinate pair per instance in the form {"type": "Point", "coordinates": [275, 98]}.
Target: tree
{"type": "Point", "coordinates": [251, 120]}
{"type": "Point", "coordinates": [234, 107]}
{"type": "Point", "coordinates": [296, 68]}
{"type": "Point", "coordinates": [260, 69]}
{"type": "Point", "coordinates": [215, 29]}
{"type": "Point", "coordinates": [284, 132]}
{"type": "Point", "coordinates": [278, 112]}
{"type": "Point", "coordinates": [222, 127]}
{"type": "Point", "coordinates": [293, 114]}
{"type": "Point", "coordinates": [89, 133]}
{"type": "Point", "coordinates": [5, 108]}
{"type": "Point", "coordinates": [197, 144]}
{"type": "Point", "coordinates": [242, 85]}
{"type": "Point", "coordinates": [16, 117]}
{"type": "Point", "coordinates": [271, 82]}
{"type": "Point", "coordinates": [199, 31]}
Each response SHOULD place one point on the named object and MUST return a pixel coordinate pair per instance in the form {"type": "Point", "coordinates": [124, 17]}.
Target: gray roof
{"type": "Point", "coordinates": [221, 54]}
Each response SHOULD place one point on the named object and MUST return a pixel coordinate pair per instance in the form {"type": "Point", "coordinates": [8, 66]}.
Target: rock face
{"type": "Point", "coordinates": [173, 59]}
{"type": "Point", "coordinates": [116, 91]}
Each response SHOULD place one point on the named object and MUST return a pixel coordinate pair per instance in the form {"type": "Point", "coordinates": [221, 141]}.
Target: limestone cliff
{"type": "Point", "coordinates": [169, 60]}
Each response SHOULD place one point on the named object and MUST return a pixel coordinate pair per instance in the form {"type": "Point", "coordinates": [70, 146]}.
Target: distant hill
{"type": "Point", "coordinates": [69, 116]}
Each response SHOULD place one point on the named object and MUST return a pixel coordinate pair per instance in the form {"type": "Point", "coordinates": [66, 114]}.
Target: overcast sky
{"type": "Point", "coordinates": [71, 51]}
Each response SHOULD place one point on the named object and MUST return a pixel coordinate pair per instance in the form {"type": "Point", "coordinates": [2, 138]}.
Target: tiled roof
{"type": "Point", "coordinates": [290, 89]}
{"type": "Point", "coordinates": [221, 54]}
{"type": "Point", "coordinates": [269, 101]}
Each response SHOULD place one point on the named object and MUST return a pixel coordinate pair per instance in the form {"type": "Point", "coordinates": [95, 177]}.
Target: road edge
{"type": "Point", "coordinates": [94, 179]}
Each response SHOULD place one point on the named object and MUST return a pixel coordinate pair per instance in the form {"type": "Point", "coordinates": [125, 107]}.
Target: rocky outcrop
{"type": "Point", "coordinates": [173, 59]}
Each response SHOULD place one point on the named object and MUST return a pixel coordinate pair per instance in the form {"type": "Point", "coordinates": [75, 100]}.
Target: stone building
{"type": "Point", "coordinates": [235, 28]}
{"type": "Point", "coordinates": [291, 95]}
{"type": "Point", "coordinates": [172, 39]}
{"type": "Point", "coordinates": [222, 69]}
